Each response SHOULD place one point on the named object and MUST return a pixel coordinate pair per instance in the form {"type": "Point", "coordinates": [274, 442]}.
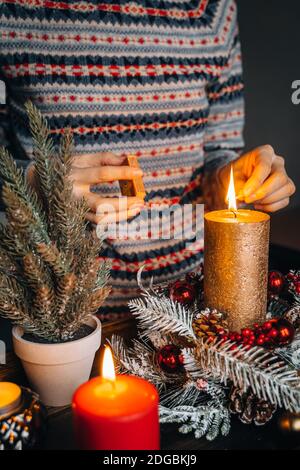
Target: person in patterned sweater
{"type": "Point", "coordinates": [161, 80]}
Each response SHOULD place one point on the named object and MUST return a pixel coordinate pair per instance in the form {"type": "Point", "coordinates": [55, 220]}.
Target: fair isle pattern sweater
{"type": "Point", "coordinates": [155, 78]}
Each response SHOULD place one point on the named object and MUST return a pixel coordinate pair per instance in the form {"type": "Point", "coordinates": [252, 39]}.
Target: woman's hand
{"type": "Point", "coordinates": [98, 168]}
{"type": "Point", "coordinates": [91, 169]}
{"type": "Point", "coordinates": [260, 179]}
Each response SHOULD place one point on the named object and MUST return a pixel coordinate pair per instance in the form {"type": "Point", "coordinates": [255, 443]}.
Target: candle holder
{"type": "Point", "coordinates": [22, 421]}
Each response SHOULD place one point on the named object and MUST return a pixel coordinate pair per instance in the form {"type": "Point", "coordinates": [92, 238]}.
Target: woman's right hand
{"type": "Point", "coordinates": [91, 169]}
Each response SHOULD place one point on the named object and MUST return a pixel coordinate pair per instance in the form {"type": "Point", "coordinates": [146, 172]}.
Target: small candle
{"type": "Point", "coordinates": [116, 412]}
{"type": "Point", "coordinates": [236, 263]}
{"type": "Point", "coordinates": [10, 397]}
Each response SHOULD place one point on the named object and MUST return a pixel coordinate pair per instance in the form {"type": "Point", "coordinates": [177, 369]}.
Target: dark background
{"type": "Point", "coordinates": [270, 36]}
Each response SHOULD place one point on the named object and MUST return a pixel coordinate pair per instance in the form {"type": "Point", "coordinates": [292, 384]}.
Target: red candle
{"type": "Point", "coordinates": [116, 412]}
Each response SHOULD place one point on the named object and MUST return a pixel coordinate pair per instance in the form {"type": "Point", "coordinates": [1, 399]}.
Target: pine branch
{"type": "Point", "coordinates": [103, 273]}
{"type": "Point", "coordinates": [97, 298]}
{"type": "Point", "coordinates": [138, 360]}
{"type": "Point", "coordinates": [35, 271]}
{"type": "Point", "coordinates": [7, 263]}
{"type": "Point", "coordinates": [64, 291]}
{"type": "Point", "coordinates": [43, 304]}
{"type": "Point", "coordinates": [86, 252]}
{"type": "Point", "coordinates": [67, 148]}
{"type": "Point", "coordinates": [88, 275]}
{"type": "Point", "coordinates": [161, 313]}
{"type": "Point", "coordinates": [13, 301]}
{"type": "Point", "coordinates": [14, 179]}
{"type": "Point", "coordinates": [17, 213]}
{"type": "Point", "coordinates": [43, 152]}
{"type": "Point", "coordinates": [63, 201]}
{"type": "Point", "coordinates": [208, 420]}
{"type": "Point", "coordinates": [51, 255]}
{"type": "Point", "coordinates": [67, 218]}
{"type": "Point", "coordinates": [13, 243]}
{"type": "Point", "coordinates": [266, 374]}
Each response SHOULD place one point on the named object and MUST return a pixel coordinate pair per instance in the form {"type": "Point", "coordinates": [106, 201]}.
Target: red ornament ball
{"type": "Point", "coordinates": [182, 292]}
{"type": "Point", "coordinates": [285, 332]}
{"type": "Point", "coordinates": [297, 287]}
{"type": "Point", "coordinates": [276, 282]}
{"type": "Point", "coordinates": [170, 358]}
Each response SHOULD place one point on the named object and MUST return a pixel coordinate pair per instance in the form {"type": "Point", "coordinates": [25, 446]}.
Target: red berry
{"type": "Point", "coordinates": [246, 331]}
{"type": "Point", "coordinates": [238, 338]}
{"type": "Point", "coordinates": [267, 325]}
{"type": "Point", "coordinates": [260, 341]}
{"type": "Point", "coordinates": [256, 325]}
{"type": "Point", "coordinates": [234, 346]}
{"type": "Point", "coordinates": [273, 333]}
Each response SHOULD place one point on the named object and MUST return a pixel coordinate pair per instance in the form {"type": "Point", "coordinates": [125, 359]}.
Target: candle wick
{"type": "Point", "coordinates": [113, 384]}
{"type": "Point", "coordinates": [234, 213]}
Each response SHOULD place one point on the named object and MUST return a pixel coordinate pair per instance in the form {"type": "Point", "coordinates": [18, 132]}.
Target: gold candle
{"type": "Point", "coordinates": [236, 264]}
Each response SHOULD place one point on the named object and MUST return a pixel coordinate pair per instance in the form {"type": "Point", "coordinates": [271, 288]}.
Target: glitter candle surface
{"type": "Point", "coordinates": [236, 265]}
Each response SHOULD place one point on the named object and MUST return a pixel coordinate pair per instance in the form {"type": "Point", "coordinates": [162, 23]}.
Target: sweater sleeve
{"type": "Point", "coordinates": [223, 140]}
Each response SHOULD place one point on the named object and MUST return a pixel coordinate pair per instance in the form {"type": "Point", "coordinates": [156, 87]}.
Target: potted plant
{"type": "Point", "coordinates": [51, 278]}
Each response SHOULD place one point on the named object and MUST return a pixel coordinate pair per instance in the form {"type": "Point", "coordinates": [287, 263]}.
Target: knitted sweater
{"type": "Point", "coordinates": [155, 78]}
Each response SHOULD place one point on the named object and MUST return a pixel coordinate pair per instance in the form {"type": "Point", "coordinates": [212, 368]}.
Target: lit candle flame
{"type": "Point", "coordinates": [108, 368]}
{"type": "Point", "coordinates": [230, 198]}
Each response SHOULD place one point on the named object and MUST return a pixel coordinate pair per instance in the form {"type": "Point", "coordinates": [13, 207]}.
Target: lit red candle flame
{"type": "Point", "coordinates": [108, 368]}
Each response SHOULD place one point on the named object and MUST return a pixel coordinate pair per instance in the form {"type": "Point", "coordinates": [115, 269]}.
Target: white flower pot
{"type": "Point", "coordinates": [56, 370]}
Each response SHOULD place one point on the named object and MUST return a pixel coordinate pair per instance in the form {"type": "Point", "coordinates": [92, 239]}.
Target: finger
{"type": "Point", "coordinates": [286, 191]}
{"type": "Point", "coordinates": [113, 217]}
{"type": "Point", "coordinates": [260, 160]}
{"type": "Point", "coordinates": [101, 205]}
{"type": "Point", "coordinates": [99, 174]}
{"type": "Point", "coordinates": [273, 207]}
{"type": "Point", "coordinates": [97, 159]}
{"type": "Point", "coordinates": [276, 181]}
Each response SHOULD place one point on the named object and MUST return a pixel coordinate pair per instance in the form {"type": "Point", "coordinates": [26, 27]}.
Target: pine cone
{"type": "Point", "coordinates": [249, 408]}
{"type": "Point", "coordinates": [209, 323]}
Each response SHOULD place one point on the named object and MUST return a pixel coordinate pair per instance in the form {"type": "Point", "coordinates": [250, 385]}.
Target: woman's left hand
{"type": "Point", "coordinates": [260, 179]}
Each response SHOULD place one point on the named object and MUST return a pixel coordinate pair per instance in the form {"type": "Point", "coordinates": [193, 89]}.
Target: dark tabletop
{"type": "Point", "coordinates": [241, 436]}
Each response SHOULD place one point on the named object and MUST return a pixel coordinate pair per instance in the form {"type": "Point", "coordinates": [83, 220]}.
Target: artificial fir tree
{"type": "Point", "coordinates": [51, 278]}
